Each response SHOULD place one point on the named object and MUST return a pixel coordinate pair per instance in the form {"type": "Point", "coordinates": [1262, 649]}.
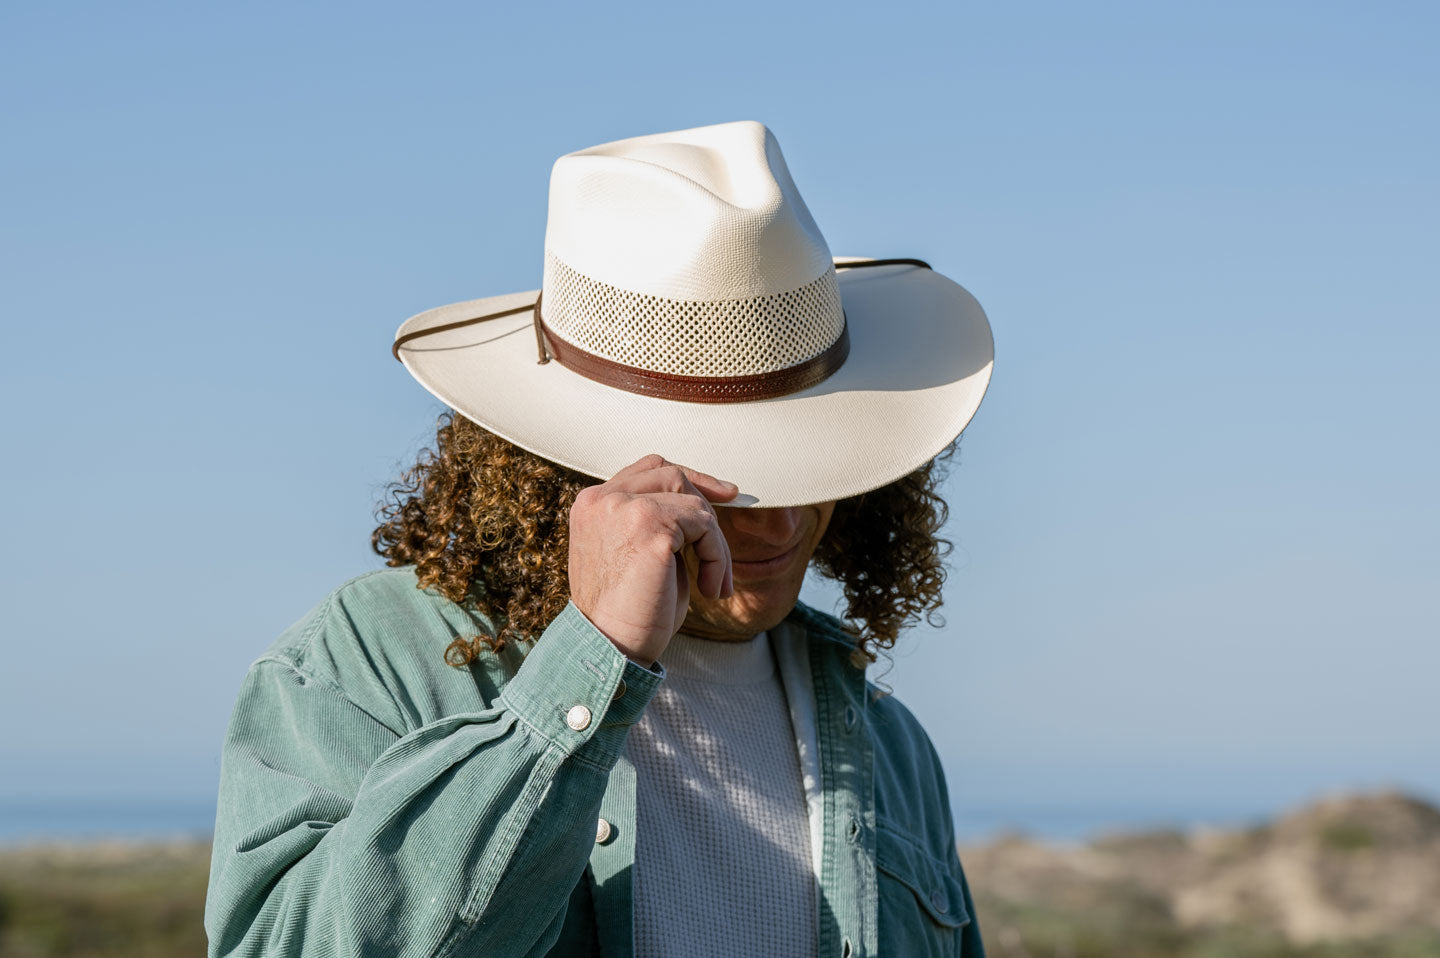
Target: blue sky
{"type": "Point", "coordinates": [1196, 517]}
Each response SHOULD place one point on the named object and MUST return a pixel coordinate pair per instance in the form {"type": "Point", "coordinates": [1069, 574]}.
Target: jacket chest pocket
{"type": "Point", "coordinates": [922, 902]}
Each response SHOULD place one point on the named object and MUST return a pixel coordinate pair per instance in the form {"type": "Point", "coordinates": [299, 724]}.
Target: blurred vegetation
{"type": "Point", "coordinates": [110, 899]}
{"type": "Point", "coordinates": [1348, 837]}
{"type": "Point", "coordinates": [1135, 928]}
{"type": "Point", "coordinates": [1367, 868]}
{"type": "Point", "coordinates": [1350, 875]}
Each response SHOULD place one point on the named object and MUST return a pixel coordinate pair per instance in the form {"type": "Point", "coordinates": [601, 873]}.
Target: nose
{"type": "Point", "coordinates": [776, 527]}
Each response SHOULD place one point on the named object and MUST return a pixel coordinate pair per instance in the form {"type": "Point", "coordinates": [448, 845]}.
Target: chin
{"type": "Point", "coordinates": [752, 609]}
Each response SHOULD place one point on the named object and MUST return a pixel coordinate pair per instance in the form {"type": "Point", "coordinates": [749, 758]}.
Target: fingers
{"type": "Point", "coordinates": [687, 494]}
{"type": "Point", "coordinates": [634, 540]}
{"type": "Point", "coordinates": [693, 523]}
{"type": "Point", "coordinates": [654, 473]}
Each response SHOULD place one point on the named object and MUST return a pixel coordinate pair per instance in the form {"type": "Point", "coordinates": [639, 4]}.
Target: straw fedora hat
{"type": "Point", "coordinates": [690, 306]}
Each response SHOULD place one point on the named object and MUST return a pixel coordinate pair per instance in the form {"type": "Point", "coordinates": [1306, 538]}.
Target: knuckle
{"type": "Point", "coordinates": [674, 477]}
{"type": "Point", "coordinates": [638, 511]}
{"type": "Point", "coordinates": [588, 501]}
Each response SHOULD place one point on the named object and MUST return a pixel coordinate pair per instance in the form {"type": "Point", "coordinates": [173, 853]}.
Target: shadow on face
{"type": "Point", "coordinates": [770, 550]}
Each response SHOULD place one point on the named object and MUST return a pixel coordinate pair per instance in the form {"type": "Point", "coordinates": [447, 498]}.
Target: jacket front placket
{"type": "Point", "coordinates": [612, 865]}
{"type": "Point", "coordinates": [848, 894]}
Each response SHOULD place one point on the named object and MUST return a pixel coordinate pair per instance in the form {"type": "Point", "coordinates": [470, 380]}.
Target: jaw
{"type": "Point", "coordinates": [753, 608]}
{"type": "Point", "coordinates": [764, 593]}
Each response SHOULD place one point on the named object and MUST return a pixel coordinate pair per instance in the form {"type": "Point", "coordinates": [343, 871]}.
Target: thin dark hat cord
{"type": "Point", "coordinates": [402, 340]}
{"type": "Point", "coordinates": [535, 307]}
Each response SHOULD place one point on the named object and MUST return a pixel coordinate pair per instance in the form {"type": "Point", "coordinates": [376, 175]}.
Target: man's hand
{"type": "Point", "coordinates": [627, 542]}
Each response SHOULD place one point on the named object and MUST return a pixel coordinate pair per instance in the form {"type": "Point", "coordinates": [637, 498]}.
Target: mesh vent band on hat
{"type": "Point", "coordinates": [705, 338]}
{"type": "Point", "coordinates": [720, 389]}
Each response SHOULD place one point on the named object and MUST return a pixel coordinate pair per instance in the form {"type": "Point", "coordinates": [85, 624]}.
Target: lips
{"type": "Point", "coordinates": [752, 567]}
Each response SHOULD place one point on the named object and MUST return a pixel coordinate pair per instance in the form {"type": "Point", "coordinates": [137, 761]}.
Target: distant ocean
{"type": "Point", "coordinates": [24, 821]}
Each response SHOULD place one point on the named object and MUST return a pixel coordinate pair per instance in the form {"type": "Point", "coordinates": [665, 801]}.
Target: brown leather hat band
{"type": "Point", "coordinates": [717, 389]}
{"type": "Point", "coordinates": [648, 382]}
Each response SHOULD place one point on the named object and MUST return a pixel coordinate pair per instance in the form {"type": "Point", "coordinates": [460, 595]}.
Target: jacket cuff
{"type": "Point", "coordinates": [579, 691]}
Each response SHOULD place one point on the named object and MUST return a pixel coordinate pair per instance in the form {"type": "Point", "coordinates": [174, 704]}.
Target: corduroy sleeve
{"type": "Point", "coordinates": [335, 835]}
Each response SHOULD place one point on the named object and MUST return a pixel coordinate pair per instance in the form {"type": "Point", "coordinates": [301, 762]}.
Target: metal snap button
{"type": "Point", "coordinates": [578, 718]}
{"type": "Point", "coordinates": [851, 717]}
{"type": "Point", "coordinates": [602, 832]}
{"type": "Point", "coordinates": [619, 690]}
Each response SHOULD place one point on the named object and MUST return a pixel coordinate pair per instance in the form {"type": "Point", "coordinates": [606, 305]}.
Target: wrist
{"type": "Point", "coordinates": [641, 651]}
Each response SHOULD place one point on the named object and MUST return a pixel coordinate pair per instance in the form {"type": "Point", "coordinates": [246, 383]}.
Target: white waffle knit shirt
{"type": "Point", "coordinates": [722, 844]}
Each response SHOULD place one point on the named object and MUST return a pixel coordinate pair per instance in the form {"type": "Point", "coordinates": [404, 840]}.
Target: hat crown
{"type": "Point", "coordinates": [688, 254]}
{"type": "Point", "coordinates": [709, 213]}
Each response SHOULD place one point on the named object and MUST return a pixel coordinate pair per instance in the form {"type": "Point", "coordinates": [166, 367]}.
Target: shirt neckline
{"type": "Point", "coordinates": [717, 662]}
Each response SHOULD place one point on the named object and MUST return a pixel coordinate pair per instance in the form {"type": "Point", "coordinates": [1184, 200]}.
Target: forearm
{"type": "Point", "coordinates": [473, 829]}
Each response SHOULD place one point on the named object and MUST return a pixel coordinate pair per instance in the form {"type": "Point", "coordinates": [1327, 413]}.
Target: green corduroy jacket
{"type": "Point", "coordinates": [376, 801]}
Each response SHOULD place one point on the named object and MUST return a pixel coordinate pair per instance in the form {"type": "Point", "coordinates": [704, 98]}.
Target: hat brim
{"type": "Point", "coordinates": [921, 354]}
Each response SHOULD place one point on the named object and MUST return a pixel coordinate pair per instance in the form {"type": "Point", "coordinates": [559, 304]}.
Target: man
{"type": "Point", "coordinates": [583, 713]}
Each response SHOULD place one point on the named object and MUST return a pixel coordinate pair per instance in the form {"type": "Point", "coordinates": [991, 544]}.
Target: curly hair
{"type": "Point", "coordinates": [483, 520]}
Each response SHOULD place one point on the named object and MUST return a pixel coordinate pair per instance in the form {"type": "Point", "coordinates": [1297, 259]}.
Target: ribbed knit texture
{"type": "Point", "coordinates": [722, 844]}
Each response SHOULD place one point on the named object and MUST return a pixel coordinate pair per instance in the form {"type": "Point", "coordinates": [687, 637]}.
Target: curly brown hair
{"type": "Point", "coordinates": [481, 518]}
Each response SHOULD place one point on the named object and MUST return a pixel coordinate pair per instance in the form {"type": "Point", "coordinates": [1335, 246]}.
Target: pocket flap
{"type": "Point", "coordinates": [933, 883]}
